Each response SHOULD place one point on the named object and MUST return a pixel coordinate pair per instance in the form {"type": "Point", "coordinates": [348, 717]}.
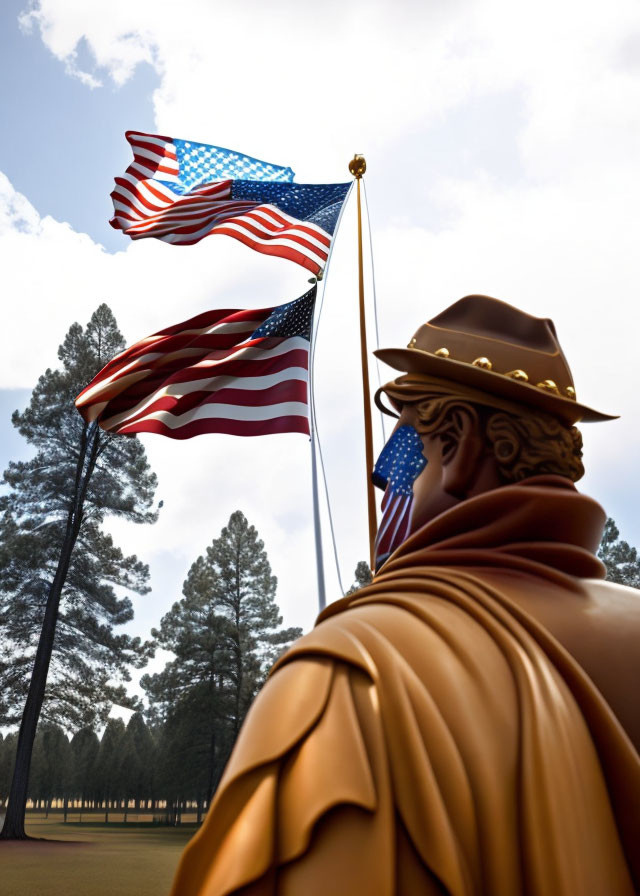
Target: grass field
{"type": "Point", "coordinates": [94, 859]}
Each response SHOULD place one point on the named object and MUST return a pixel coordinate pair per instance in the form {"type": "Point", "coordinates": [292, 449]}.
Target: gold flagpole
{"type": "Point", "coordinates": [357, 167]}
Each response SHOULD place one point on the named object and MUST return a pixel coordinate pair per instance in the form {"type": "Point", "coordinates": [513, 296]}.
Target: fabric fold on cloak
{"type": "Point", "coordinates": [429, 736]}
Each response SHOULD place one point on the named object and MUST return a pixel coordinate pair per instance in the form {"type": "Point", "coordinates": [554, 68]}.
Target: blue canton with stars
{"type": "Point", "coordinates": [200, 163]}
{"type": "Point", "coordinates": [400, 462]}
{"type": "Point", "coordinates": [292, 319]}
{"type": "Point", "coordinates": [256, 181]}
{"type": "Point", "coordinates": [319, 204]}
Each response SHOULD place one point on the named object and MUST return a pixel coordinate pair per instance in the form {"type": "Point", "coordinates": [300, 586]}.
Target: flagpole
{"type": "Point", "coordinates": [321, 275]}
{"type": "Point", "coordinates": [357, 167]}
{"type": "Point", "coordinates": [317, 529]}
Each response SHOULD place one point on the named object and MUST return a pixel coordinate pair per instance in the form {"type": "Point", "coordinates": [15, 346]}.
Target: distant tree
{"type": "Point", "coordinates": [7, 753]}
{"type": "Point", "coordinates": [362, 577]}
{"type": "Point", "coordinates": [138, 761]}
{"type": "Point", "coordinates": [192, 749]}
{"type": "Point", "coordinates": [224, 633]}
{"type": "Point", "coordinates": [51, 767]}
{"type": "Point", "coordinates": [109, 778]}
{"type": "Point", "coordinates": [58, 569]}
{"type": "Point", "coordinates": [621, 560]}
{"type": "Point", "coordinates": [84, 750]}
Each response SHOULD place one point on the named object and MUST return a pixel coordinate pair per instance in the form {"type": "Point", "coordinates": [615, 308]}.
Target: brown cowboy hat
{"type": "Point", "coordinates": [489, 345]}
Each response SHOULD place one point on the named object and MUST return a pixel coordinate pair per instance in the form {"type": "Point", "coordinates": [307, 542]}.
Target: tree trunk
{"type": "Point", "coordinates": [64, 810]}
{"type": "Point", "coordinates": [237, 649]}
{"type": "Point", "coordinates": [13, 828]}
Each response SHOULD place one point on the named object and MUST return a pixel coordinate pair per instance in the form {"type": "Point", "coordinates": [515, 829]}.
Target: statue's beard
{"type": "Point", "coordinates": [401, 461]}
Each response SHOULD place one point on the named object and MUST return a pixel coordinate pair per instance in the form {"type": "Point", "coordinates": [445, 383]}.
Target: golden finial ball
{"type": "Point", "coordinates": [357, 166]}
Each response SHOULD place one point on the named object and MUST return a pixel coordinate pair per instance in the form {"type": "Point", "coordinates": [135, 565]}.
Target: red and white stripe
{"type": "Point", "coordinates": [394, 525]}
{"type": "Point", "coordinates": [145, 207]}
{"type": "Point", "coordinates": [204, 375]}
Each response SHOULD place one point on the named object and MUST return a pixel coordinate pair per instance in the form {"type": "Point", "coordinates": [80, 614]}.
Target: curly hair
{"type": "Point", "coordinates": [524, 442]}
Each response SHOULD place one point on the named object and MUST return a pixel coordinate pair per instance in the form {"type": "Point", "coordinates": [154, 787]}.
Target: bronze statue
{"type": "Point", "coordinates": [468, 723]}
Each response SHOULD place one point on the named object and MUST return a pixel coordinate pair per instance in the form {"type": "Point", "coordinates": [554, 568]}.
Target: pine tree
{"type": "Point", "coordinates": [621, 560]}
{"type": "Point", "coordinates": [138, 761]}
{"type": "Point", "coordinates": [225, 633]}
{"type": "Point", "coordinates": [58, 569]}
{"type": "Point", "coordinates": [84, 750]}
{"type": "Point", "coordinates": [7, 752]}
{"type": "Point", "coordinates": [243, 587]}
{"type": "Point", "coordinates": [51, 767]}
{"type": "Point", "coordinates": [362, 576]}
{"type": "Point", "coordinates": [109, 778]}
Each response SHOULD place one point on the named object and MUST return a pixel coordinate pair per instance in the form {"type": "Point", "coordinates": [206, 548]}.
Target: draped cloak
{"type": "Point", "coordinates": [429, 736]}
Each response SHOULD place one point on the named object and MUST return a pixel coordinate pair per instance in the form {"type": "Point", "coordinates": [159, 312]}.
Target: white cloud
{"type": "Point", "coordinates": [280, 75]}
{"type": "Point", "coordinates": [117, 44]}
{"type": "Point", "coordinates": [16, 212]}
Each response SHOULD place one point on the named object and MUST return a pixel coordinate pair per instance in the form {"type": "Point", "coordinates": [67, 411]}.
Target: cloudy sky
{"type": "Point", "coordinates": [502, 143]}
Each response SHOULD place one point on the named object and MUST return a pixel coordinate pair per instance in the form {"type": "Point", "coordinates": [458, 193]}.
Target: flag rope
{"type": "Point", "coordinates": [375, 303]}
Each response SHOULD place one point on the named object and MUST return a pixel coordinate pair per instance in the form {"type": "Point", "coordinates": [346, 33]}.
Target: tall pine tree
{"type": "Point", "coordinates": [225, 634]}
{"type": "Point", "coordinates": [58, 569]}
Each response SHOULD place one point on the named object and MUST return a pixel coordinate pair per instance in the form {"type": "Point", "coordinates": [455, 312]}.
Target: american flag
{"type": "Point", "coordinates": [181, 191]}
{"type": "Point", "coordinates": [400, 463]}
{"type": "Point", "coordinates": [240, 372]}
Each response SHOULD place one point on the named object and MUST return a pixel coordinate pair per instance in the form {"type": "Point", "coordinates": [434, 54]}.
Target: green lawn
{"type": "Point", "coordinates": [93, 860]}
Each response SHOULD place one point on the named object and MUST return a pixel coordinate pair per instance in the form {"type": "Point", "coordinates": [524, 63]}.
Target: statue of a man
{"type": "Point", "coordinates": [469, 722]}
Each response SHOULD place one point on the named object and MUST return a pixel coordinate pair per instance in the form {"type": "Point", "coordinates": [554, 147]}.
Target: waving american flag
{"type": "Point", "coordinates": [181, 191]}
{"type": "Point", "coordinates": [400, 463]}
{"type": "Point", "coordinates": [241, 372]}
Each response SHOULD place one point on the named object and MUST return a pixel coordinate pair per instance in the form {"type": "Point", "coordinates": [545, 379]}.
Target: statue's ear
{"type": "Point", "coordinates": [462, 450]}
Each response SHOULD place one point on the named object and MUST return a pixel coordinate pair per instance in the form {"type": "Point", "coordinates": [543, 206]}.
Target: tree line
{"type": "Point", "coordinates": [131, 769]}
{"type": "Point", "coordinates": [65, 590]}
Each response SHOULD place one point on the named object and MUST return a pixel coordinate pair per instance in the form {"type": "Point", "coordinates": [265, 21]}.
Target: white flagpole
{"type": "Point", "coordinates": [317, 528]}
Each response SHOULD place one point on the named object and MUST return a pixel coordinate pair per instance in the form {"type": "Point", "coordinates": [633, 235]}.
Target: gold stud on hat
{"type": "Point", "coordinates": [518, 375]}
{"type": "Point", "coordinates": [483, 363]}
{"type": "Point", "coordinates": [548, 386]}
{"type": "Point", "coordinates": [442, 352]}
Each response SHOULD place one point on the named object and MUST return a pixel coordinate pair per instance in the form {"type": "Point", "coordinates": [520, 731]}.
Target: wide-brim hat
{"type": "Point", "coordinates": [491, 346]}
